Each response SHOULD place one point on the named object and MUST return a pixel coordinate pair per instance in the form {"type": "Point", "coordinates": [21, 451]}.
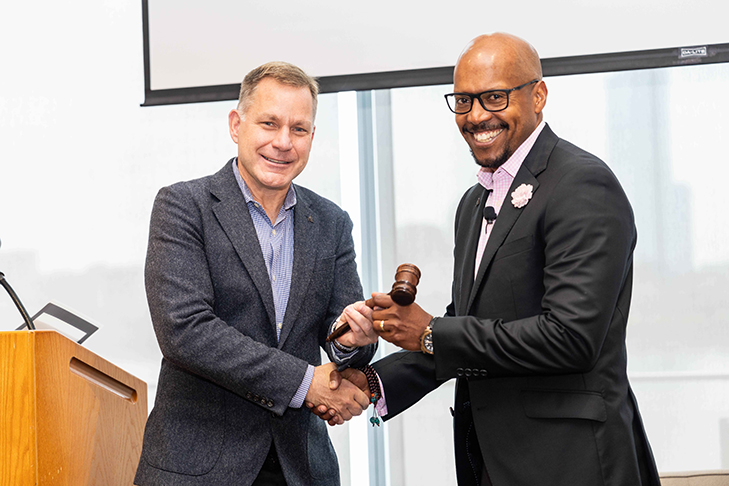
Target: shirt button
{"type": "Point", "coordinates": [273, 232]}
{"type": "Point", "coordinates": [274, 278]}
{"type": "Point", "coordinates": [280, 325]}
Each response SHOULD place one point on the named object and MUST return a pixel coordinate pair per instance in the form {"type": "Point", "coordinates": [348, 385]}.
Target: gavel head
{"type": "Point", "coordinates": [406, 280]}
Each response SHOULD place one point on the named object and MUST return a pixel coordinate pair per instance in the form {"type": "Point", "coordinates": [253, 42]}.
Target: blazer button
{"type": "Point", "coordinates": [468, 371]}
{"type": "Point", "coordinates": [459, 371]}
{"type": "Point", "coordinates": [270, 404]}
{"type": "Point", "coordinates": [484, 373]}
{"type": "Point", "coordinates": [249, 395]}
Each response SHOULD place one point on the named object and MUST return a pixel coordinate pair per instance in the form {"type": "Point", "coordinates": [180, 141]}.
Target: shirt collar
{"type": "Point", "coordinates": [289, 202]}
{"type": "Point", "coordinates": [513, 164]}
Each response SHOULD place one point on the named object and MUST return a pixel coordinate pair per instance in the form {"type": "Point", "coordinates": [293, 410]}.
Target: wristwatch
{"type": "Point", "coordinates": [426, 340]}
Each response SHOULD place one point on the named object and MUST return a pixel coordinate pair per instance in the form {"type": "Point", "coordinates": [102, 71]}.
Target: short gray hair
{"type": "Point", "coordinates": [284, 73]}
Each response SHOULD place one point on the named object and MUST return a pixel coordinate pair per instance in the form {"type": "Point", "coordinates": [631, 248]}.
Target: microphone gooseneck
{"type": "Point", "coordinates": [18, 304]}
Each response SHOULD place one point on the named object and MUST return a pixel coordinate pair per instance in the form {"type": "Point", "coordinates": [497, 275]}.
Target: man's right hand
{"type": "Point", "coordinates": [349, 377]}
{"type": "Point", "coordinates": [330, 393]}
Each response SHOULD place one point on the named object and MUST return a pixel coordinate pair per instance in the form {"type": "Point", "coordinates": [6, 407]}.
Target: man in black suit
{"type": "Point", "coordinates": [245, 275]}
{"type": "Point", "coordinates": [535, 332]}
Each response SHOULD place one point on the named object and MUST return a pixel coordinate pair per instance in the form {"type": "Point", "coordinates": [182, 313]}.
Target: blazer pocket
{"type": "Point", "coordinates": [552, 404]}
{"type": "Point", "coordinates": [519, 245]}
{"type": "Point", "coordinates": [187, 436]}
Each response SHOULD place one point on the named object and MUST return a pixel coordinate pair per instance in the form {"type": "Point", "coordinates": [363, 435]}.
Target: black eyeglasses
{"type": "Point", "coordinates": [491, 100]}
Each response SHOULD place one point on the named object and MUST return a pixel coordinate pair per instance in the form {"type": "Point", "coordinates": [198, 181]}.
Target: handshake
{"type": "Point", "coordinates": [338, 396]}
{"type": "Point", "coordinates": [344, 395]}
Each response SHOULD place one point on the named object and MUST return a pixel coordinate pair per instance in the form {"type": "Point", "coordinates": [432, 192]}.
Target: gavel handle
{"type": "Point", "coordinates": [338, 332]}
{"type": "Point", "coordinates": [344, 328]}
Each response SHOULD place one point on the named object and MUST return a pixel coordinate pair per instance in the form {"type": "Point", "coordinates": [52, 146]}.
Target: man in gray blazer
{"type": "Point", "coordinates": [246, 273]}
{"type": "Point", "coordinates": [535, 333]}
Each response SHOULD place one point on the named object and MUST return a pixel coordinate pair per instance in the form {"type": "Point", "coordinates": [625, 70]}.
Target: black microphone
{"type": "Point", "coordinates": [16, 300]}
{"type": "Point", "coordinates": [489, 214]}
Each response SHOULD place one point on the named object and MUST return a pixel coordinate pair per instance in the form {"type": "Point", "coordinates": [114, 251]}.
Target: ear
{"type": "Point", "coordinates": [313, 131]}
{"type": "Point", "coordinates": [540, 96]}
{"type": "Point", "coordinates": [234, 121]}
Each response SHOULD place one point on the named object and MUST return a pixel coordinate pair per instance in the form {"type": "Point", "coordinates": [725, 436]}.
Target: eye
{"type": "Point", "coordinates": [495, 97]}
{"type": "Point", "coordinates": [463, 100]}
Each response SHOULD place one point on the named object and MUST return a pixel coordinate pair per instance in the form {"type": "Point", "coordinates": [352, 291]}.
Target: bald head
{"type": "Point", "coordinates": [505, 54]}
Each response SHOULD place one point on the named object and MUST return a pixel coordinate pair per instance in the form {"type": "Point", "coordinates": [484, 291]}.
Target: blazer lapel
{"type": "Point", "coordinates": [232, 213]}
{"type": "Point", "coordinates": [534, 163]}
{"type": "Point", "coordinates": [306, 233]}
{"type": "Point", "coordinates": [473, 222]}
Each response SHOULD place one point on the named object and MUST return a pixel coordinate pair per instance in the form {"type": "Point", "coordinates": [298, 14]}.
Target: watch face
{"type": "Point", "coordinates": [428, 342]}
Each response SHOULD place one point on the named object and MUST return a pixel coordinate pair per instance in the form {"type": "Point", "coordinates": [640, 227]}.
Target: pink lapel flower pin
{"type": "Point", "coordinates": [521, 196]}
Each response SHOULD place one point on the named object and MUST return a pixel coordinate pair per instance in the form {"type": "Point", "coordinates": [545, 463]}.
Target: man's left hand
{"type": "Point", "coordinates": [359, 317]}
{"type": "Point", "coordinates": [402, 326]}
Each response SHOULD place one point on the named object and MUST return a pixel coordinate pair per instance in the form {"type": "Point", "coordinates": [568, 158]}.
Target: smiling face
{"type": "Point", "coordinates": [499, 61]}
{"type": "Point", "coordinates": [274, 136]}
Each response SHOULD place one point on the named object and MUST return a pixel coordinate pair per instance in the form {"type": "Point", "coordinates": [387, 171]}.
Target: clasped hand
{"type": "Point", "coordinates": [400, 325]}
{"type": "Point", "coordinates": [342, 398]}
{"type": "Point", "coordinates": [340, 380]}
{"type": "Point", "coordinates": [340, 401]}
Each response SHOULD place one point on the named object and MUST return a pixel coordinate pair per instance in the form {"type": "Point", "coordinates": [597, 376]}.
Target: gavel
{"type": "Point", "coordinates": [403, 293]}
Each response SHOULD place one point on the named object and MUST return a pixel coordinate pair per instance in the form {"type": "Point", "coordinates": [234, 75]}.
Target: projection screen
{"type": "Point", "coordinates": [199, 50]}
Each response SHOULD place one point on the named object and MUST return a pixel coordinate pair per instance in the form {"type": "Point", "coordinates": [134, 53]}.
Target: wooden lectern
{"type": "Point", "coordinates": [67, 416]}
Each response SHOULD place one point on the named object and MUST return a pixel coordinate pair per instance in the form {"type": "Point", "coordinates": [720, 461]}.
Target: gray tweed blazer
{"type": "Point", "coordinates": [225, 381]}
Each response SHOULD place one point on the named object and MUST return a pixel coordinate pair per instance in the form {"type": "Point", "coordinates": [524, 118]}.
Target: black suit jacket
{"type": "Point", "coordinates": [536, 339]}
{"type": "Point", "coordinates": [226, 382]}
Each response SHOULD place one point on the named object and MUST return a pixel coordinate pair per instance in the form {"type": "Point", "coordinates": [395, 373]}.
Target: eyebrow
{"type": "Point", "coordinates": [271, 116]}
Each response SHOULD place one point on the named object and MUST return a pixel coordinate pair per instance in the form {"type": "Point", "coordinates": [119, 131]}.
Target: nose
{"type": "Point", "coordinates": [282, 141]}
{"type": "Point", "coordinates": [478, 115]}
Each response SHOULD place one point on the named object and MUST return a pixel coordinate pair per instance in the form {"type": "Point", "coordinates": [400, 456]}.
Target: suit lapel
{"type": "Point", "coordinates": [306, 232]}
{"type": "Point", "coordinates": [232, 213]}
{"type": "Point", "coordinates": [534, 163]}
{"type": "Point", "coordinates": [473, 221]}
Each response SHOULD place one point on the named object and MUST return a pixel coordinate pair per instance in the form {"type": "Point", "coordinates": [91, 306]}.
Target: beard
{"type": "Point", "coordinates": [495, 163]}
{"type": "Point", "coordinates": [499, 160]}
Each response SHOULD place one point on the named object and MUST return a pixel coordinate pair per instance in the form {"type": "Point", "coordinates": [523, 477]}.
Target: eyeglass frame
{"type": "Point", "coordinates": [478, 97]}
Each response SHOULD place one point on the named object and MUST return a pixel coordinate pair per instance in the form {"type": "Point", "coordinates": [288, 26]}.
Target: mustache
{"type": "Point", "coordinates": [481, 127]}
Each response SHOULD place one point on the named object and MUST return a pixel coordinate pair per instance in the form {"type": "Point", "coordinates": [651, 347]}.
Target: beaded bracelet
{"type": "Point", "coordinates": [375, 391]}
